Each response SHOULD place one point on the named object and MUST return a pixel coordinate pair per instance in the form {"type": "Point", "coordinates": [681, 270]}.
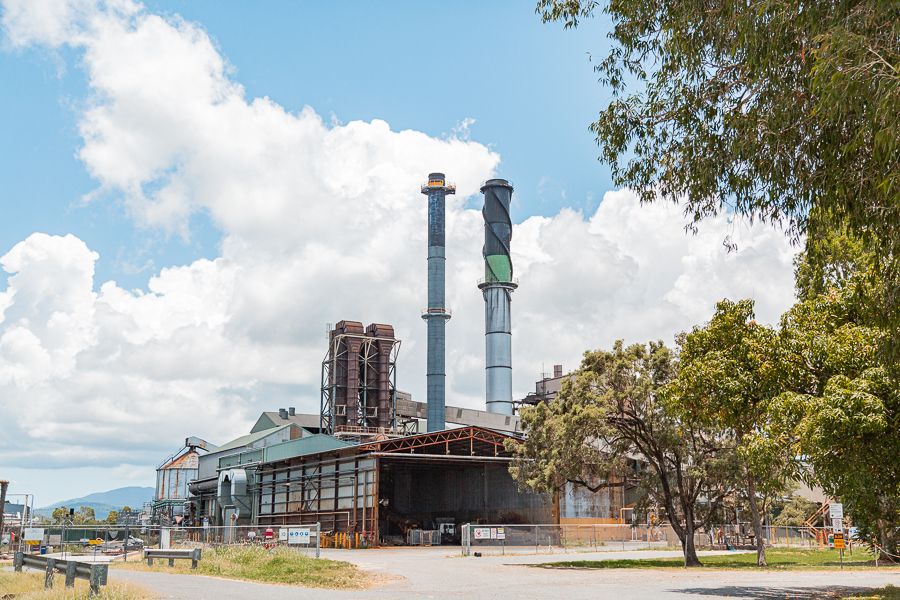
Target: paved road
{"type": "Point", "coordinates": [431, 573]}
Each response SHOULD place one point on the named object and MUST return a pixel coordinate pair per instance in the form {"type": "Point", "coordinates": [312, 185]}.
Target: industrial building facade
{"type": "Point", "coordinates": [364, 465]}
{"type": "Point", "coordinates": [389, 486]}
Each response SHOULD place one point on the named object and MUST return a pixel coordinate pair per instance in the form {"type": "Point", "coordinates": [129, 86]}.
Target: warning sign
{"type": "Point", "coordinates": [838, 541]}
{"type": "Point", "coordinates": [481, 533]}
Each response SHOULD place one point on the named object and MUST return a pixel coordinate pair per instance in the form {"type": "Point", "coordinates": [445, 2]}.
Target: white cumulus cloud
{"type": "Point", "coordinates": [319, 222]}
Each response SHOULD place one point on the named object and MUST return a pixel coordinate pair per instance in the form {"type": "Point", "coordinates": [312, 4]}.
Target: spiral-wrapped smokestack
{"type": "Point", "coordinates": [497, 288]}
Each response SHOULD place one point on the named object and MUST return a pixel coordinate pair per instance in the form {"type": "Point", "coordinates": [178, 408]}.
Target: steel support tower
{"type": "Point", "coordinates": [436, 314]}
{"type": "Point", "coordinates": [497, 287]}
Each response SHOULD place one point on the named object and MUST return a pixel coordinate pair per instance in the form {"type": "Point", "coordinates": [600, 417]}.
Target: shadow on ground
{"type": "Point", "coordinates": [771, 593]}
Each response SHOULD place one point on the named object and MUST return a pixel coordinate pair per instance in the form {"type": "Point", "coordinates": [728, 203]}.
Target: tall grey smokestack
{"type": "Point", "coordinates": [497, 288]}
{"type": "Point", "coordinates": [436, 315]}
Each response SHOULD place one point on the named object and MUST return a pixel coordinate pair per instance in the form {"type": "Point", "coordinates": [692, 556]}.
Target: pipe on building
{"type": "Point", "coordinates": [436, 314]}
{"type": "Point", "coordinates": [497, 288]}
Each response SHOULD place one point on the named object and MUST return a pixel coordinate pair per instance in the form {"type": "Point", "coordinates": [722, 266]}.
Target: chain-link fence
{"type": "Point", "coordinates": [121, 541]}
{"type": "Point", "coordinates": [742, 536]}
{"type": "Point", "coordinates": [539, 539]}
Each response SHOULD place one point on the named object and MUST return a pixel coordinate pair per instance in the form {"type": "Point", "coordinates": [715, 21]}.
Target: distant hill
{"type": "Point", "coordinates": [103, 502]}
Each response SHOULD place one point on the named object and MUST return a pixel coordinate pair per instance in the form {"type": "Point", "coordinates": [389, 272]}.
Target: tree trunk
{"type": "Point", "coordinates": [757, 522]}
{"type": "Point", "coordinates": [687, 545]}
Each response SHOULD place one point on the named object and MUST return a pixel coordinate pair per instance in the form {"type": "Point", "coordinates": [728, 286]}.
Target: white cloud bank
{"type": "Point", "coordinates": [319, 223]}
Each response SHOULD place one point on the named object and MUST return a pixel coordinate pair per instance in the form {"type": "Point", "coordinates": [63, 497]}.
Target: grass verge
{"type": "Point", "coordinates": [30, 586]}
{"type": "Point", "coordinates": [886, 593]}
{"type": "Point", "coordinates": [777, 559]}
{"type": "Point", "coordinates": [253, 563]}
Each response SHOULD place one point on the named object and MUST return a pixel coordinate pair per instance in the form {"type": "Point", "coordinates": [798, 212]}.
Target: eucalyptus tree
{"type": "Point", "coordinates": [611, 411]}
{"type": "Point", "coordinates": [780, 110]}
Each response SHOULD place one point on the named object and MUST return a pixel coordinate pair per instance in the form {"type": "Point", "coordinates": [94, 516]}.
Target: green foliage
{"type": "Point", "coordinates": [725, 380]}
{"type": "Point", "coordinates": [59, 515]}
{"type": "Point", "coordinates": [85, 516]}
{"type": "Point", "coordinates": [611, 410]}
{"type": "Point", "coordinates": [780, 110]}
{"type": "Point", "coordinates": [794, 512]}
{"type": "Point", "coordinates": [788, 559]}
{"type": "Point", "coordinates": [840, 406]}
{"type": "Point", "coordinates": [112, 517]}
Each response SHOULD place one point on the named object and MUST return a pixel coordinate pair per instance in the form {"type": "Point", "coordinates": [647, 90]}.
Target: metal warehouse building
{"type": "Point", "coordinates": [389, 486]}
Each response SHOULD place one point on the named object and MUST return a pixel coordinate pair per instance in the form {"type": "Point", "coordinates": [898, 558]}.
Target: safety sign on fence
{"type": "Point", "coordinates": [298, 536]}
{"type": "Point", "coordinates": [489, 533]}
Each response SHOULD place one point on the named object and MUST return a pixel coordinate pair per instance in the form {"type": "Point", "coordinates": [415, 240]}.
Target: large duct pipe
{"type": "Point", "coordinates": [497, 288]}
{"type": "Point", "coordinates": [436, 315]}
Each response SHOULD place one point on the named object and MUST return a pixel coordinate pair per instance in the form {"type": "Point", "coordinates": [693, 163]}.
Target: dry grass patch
{"type": "Point", "coordinates": [30, 586]}
{"type": "Point", "coordinates": [254, 563]}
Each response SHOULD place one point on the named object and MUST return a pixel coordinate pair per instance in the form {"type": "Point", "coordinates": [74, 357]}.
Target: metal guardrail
{"type": "Point", "coordinates": [172, 554]}
{"type": "Point", "coordinates": [96, 574]}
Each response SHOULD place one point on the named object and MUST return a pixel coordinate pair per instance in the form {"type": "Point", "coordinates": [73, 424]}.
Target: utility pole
{"type": "Point", "coordinates": [3, 487]}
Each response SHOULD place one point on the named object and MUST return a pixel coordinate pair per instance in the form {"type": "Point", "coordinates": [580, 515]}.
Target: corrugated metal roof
{"type": "Point", "coordinates": [310, 444]}
{"type": "Point", "coordinates": [271, 418]}
{"type": "Point", "coordinates": [250, 438]}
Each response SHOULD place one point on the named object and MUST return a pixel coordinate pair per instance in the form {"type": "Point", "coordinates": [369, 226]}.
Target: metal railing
{"type": "Point", "coordinates": [95, 574]}
{"type": "Point", "coordinates": [116, 541]}
{"type": "Point", "coordinates": [549, 539]}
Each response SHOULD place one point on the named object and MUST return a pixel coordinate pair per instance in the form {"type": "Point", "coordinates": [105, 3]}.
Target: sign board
{"type": "Point", "coordinates": [838, 541]}
{"type": "Point", "coordinates": [837, 525]}
{"type": "Point", "coordinates": [836, 511]}
{"type": "Point", "coordinates": [298, 536]}
{"type": "Point", "coordinates": [33, 534]}
{"type": "Point", "coordinates": [5, 539]}
{"type": "Point", "coordinates": [481, 533]}
{"type": "Point", "coordinates": [501, 533]}
{"type": "Point", "coordinates": [54, 539]}
{"type": "Point", "coordinates": [282, 535]}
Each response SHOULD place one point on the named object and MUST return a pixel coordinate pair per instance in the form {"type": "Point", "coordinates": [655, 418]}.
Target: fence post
{"type": "Point", "coordinates": [18, 561]}
{"type": "Point", "coordinates": [318, 539]}
{"type": "Point", "coordinates": [70, 573]}
{"type": "Point", "coordinates": [48, 574]}
{"type": "Point", "coordinates": [95, 579]}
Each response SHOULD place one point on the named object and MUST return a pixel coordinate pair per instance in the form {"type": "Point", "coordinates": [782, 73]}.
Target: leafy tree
{"type": "Point", "coordinates": [794, 512]}
{"type": "Point", "coordinates": [85, 516]}
{"type": "Point", "coordinates": [611, 410]}
{"type": "Point", "coordinates": [725, 381]}
{"type": "Point", "coordinates": [780, 110]}
{"type": "Point", "coordinates": [113, 517]}
{"type": "Point", "coordinates": [840, 407]}
{"type": "Point", "coordinates": [59, 515]}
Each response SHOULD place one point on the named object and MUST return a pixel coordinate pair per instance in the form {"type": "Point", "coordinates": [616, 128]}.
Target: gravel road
{"type": "Point", "coordinates": [433, 573]}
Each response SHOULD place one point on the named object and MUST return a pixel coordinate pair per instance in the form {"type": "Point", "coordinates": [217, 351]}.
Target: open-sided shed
{"type": "Point", "coordinates": [386, 487]}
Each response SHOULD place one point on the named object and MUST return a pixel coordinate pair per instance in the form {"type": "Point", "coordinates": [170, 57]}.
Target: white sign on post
{"type": "Point", "coordinates": [33, 534]}
{"type": "Point", "coordinates": [298, 536]}
{"type": "Point", "coordinates": [482, 533]}
{"type": "Point", "coordinates": [836, 511]}
{"type": "Point", "coordinates": [282, 535]}
{"type": "Point", "coordinates": [838, 525]}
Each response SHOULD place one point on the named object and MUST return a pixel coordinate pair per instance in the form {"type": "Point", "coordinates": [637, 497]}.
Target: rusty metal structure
{"type": "Point", "coordinates": [359, 377]}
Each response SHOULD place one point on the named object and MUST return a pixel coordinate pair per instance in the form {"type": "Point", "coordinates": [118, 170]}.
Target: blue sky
{"type": "Point", "coordinates": [203, 331]}
{"type": "Point", "coordinates": [428, 66]}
